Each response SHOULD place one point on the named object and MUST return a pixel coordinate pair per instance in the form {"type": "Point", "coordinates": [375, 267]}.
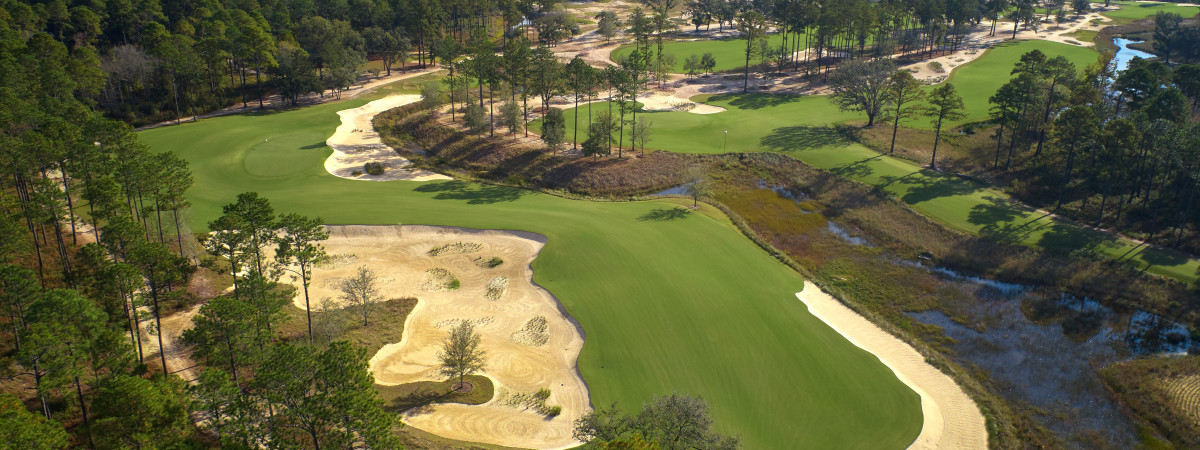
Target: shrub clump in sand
{"type": "Point", "coordinates": [451, 323]}
{"type": "Point", "coordinates": [439, 279]}
{"type": "Point", "coordinates": [535, 401]}
{"type": "Point", "coordinates": [496, 288]}
{"type": "Point", "coordinates": [336, 261]}
{"type": "Point", "coordinates": [374, 168]}
{"type": "Point", "coordinates": [456, 247]}
{"type": "Point", "coordinates": [488, 263]}
{"type": "Point", "coordinates": [533, 334]}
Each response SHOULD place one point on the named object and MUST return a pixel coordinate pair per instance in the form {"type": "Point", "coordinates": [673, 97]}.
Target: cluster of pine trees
{"type": "Point", "coordinates": [1111, 148]}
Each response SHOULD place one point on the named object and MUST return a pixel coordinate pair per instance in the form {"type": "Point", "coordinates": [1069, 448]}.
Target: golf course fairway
{"type": "Point", "coordinates": [668, 302]}
{"type": "Point", "coordinates": [802, 126]}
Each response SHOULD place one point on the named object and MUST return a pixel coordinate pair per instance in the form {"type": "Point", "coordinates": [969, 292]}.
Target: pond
{"type": "Point", "coordinates": [1042, 347]}
{"type": "Point", "coordinates": [1126, 54]}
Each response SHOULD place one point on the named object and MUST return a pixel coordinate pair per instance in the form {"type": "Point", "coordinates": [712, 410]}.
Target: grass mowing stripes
{"type": "Point", "coordinates": [686, 304]}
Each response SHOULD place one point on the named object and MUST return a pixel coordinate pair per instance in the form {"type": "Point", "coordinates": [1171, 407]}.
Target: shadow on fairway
{"type": "Point", "coordinates": [474, 194]}
{"type": "Point", "coordinates": [755, 101]}
{"type": "Point", "coordinates": [996, 219]}
{"type": "Point", "coordinates": [925, 187]}
{"type": "Point", "coordinates": [1061, 236]}
{"type": "Point", "coordinates": [665, 214]}
{"type": "Point", "coordinates": [803, 137]}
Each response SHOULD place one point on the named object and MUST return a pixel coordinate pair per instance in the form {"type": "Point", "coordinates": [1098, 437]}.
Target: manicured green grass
{"type": "Point", "coordinates": [730, 53]}
{"type": "Point", "coordinates": [980, 79]}
{"type": "Point", "coordinates": [1142, 10]}
{"type": "Point", "coordinates": [799, 126]}
{"type": "Point", "coordinates": [668, 302]}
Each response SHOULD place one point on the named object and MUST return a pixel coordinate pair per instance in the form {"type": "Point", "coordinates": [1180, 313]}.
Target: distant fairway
{"type": "Point", "coordinates": [1141, 10]}
{"type": "Point", "coordinates": [801, 126]}
{"type": "Point", "coordinates": [730, 53]}
{"type": "Point", "coordinates": [668, 302]}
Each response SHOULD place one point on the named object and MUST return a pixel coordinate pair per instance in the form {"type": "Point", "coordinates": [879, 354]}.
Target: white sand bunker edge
{"type": "Point", "coordinates": [399, 255]}
{"type": "Point", "coordinates": [951, 418]}
{"type": "Point", "coordinates": [658, 101]}
{"type": "Point", "coordinates": [355, 143]}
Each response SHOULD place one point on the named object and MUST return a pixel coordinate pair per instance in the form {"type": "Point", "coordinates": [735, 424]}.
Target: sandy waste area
{"type": "Point", "coordinates": [531, 343]}
{"type": "Point", "coordinates": [355, 143]}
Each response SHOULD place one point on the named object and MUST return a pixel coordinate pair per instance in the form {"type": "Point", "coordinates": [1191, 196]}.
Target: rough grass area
{"type": "Point", "coordinates": [496, 288]}
{"type": "Point", "coordinates": [406, 396]}
{"type": "Point", "coordinates": [488, 263]}
{"type": "Point", "coordinates": [439, 279]}
{"type": "Point", "coordinates": [1163, 392]}
{"type": "Point", "coordinates": [533, 334]}
{"type": "Point", "coordinates": [641, 342]}
{"type": "Point", "coordinates": [730, 53]}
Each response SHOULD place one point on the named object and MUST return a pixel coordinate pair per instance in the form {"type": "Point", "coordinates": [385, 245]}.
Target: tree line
{"type": "Point", "coordinates": [1110, 148]}
{"type": "Point", "coordinates": [148, 60]}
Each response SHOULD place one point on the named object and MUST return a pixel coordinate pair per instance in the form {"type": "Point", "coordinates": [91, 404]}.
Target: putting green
{"type": "Point", "coordinates": [730, 53]}
{"type": "Point", "coordinates": [668, 302]}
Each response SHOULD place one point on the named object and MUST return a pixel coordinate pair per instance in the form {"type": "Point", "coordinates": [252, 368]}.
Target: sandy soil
{"type": "Point", "coordinates": [952, 421]}
{"type": "Point", "coordinates": [356, 143]}
{"type": "Point", "coordinates": [179, 356]}
{"type": "Point", "coordinates": [515, 362]}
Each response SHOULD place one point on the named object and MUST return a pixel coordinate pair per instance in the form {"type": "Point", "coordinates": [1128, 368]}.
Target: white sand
{"type": "Point", "coordinates": [356, 143]}
{"type": "Point", "coordinates": [399, 256]}
{"type": "Point", "coordinates": [951, 418]}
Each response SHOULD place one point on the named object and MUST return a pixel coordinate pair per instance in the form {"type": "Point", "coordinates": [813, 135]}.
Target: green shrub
{"type": "Point", "coordinates": [374, 168]}
{"type": "Point", "coordinates": [553, 411]}
{"type": "Point", "coordinates": [542, 394]}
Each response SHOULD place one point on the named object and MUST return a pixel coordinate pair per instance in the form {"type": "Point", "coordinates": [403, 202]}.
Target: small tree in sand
{"type": "Point", "coordinates": [460, 353]}
{"type": "Point", "coordinates": [360, 294]}
{"type": "Point", "coordinates": [696, 184]}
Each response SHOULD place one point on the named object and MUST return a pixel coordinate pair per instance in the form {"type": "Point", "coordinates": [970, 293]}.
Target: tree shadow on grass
{"type": "Point", "coordinates": [996, 219]}
{"type": "Point", "coordinates": [665, 214]}
{"type": "Point", "coordinates": [755, 101]}
{"type": "Point", "coordinates": [1065, 237]}
{"type": "Point", "coordinates": [474, 194]}
{"type": "Point", "coordinates": [862, 169]}
{"type": "Point", "coordinates": [803, 137]}
{"type": "Point", "coordinates": [929, 187]}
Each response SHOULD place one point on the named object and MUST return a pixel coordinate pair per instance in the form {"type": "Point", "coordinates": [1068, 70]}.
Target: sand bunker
{"type": "Point", "coordinates": [951, 418]}
{"type": "Point", "coordinates": [531, 343]}
{"type": "Point", "coordinates": [659, 101]}
{"type": "Point", "coordinates": [355, 143]}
